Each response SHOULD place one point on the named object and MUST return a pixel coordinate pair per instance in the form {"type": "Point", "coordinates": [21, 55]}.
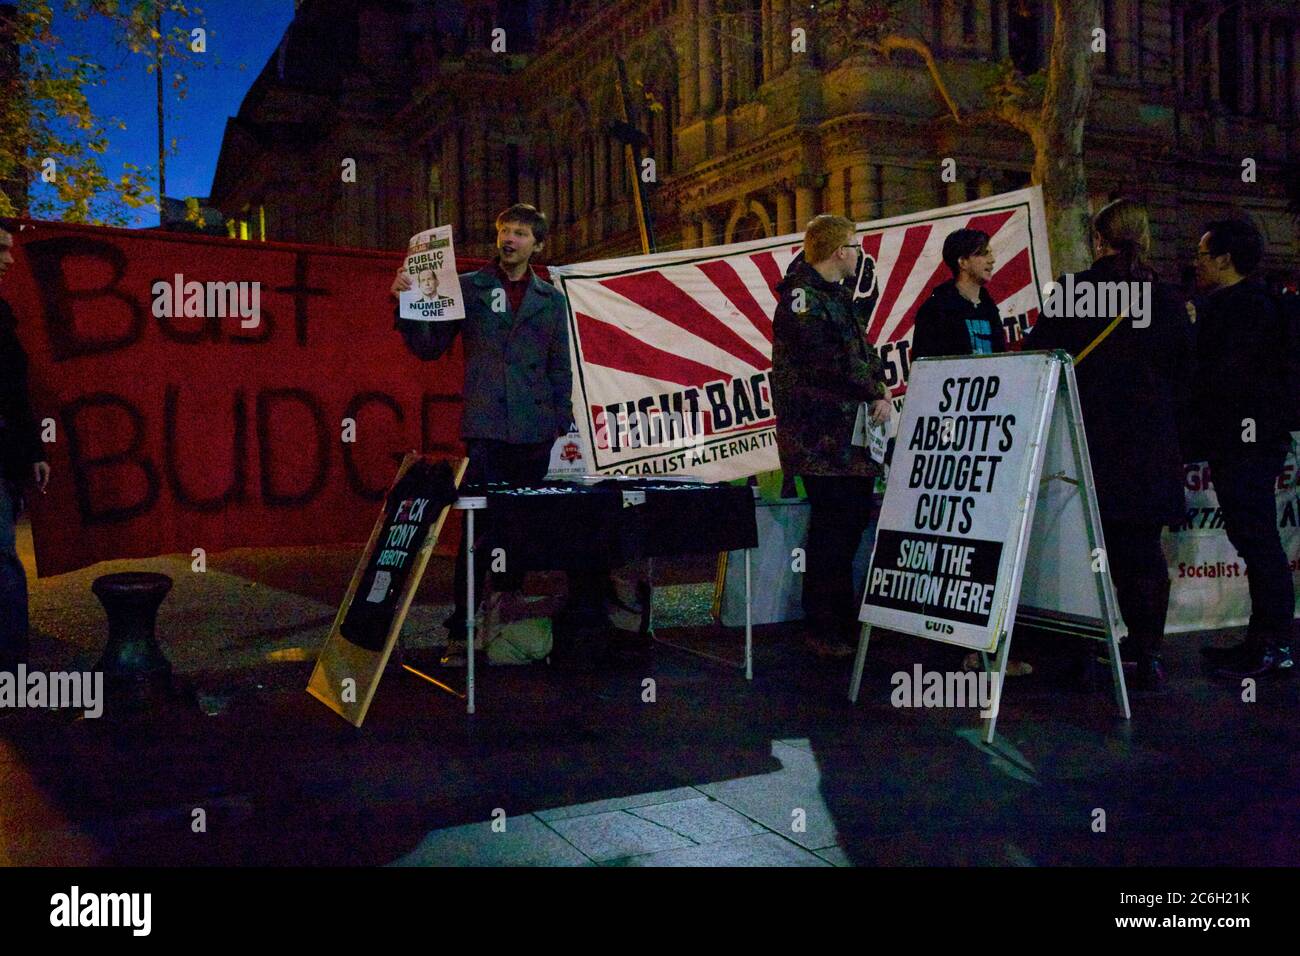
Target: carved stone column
{"type": "Point", "coordinates": [780, 36]}
{"type": "Point", "coordinates": [690, 234]}
{"type": "Point", "coordinates": [689, 65]}
{"type": "Point", "coordinates": [708, 46]}
{"type": "Point", "coordinates": [784, 212]}
{"type": "Point", "coordinates": [805, 200]}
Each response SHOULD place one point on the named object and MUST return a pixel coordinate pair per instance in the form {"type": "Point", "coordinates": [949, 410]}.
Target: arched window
{"type": "Point", "coordinates": [1230, 62]}
{"type": "Point", "coordinates": [1025, 36]}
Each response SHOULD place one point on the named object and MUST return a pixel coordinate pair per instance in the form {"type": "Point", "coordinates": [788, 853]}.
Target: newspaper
{"type": "Point", "coordinates": [869, 434]}
{"type": "Point", "coordinates": [435, 293]}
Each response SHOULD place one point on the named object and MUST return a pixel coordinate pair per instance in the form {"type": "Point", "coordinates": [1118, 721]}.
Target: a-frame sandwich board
{"type": "Point", "coordinates": [990, 507]}
{"type": "Point", "coordinates": [357, 649]}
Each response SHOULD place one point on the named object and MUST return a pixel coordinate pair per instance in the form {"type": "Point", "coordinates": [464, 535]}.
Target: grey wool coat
{"type": "Point", "coordinates": [518, 384]}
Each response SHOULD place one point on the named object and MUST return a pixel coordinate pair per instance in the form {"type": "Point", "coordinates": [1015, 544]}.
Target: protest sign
{"type": "Point", "coordinates": [352, 661]}
{"type": "Point", "coordinates": [435, 294]}
{"type": "Point", "coordinates": [1207, 578]}
{"type": "Point", "coordinates": [672, 351]}
{"type": "Point", "coordinates": [264, 404]}
{"type": "Point", "coordinates": [991, 489]}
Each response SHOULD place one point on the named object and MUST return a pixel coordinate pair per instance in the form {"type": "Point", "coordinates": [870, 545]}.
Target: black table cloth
{"type": "Point", "coordinates": [562, 525]}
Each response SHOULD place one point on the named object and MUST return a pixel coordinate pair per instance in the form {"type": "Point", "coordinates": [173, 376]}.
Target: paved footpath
{"type": "Point", "coordinates": [579, 768]}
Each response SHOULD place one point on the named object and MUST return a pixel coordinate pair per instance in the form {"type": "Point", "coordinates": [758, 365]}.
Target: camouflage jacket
{"type": "Point", "coordinates": [823, 368]}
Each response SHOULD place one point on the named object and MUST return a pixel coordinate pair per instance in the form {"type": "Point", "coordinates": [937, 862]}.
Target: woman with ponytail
{"type": "Point", "coordinates": [1134, 388]}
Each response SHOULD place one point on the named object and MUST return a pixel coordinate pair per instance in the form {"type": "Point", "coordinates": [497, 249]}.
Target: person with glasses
{"type": "Point", "coordinates": [823, 369]}
{"type": "Point", "coordinates": [1240, 397]}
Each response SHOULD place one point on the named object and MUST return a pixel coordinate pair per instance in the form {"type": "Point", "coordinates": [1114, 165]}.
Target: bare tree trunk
{"type": "Point", "coordinates": [1058, 136]}
{"type": "Point", "coordinates": [1055, 127]}
{"type": "Point", "coordinates": [162, 140]}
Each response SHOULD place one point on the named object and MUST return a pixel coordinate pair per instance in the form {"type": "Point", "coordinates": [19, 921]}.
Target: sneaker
{"type": "Point", "coordinates": [1272, 660]}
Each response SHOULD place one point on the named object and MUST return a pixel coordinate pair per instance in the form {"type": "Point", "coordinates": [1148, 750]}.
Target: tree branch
{"type": "Point", "coordinates": [1027, 121]}
{"type": "Point", "coordinates": [888, 44]}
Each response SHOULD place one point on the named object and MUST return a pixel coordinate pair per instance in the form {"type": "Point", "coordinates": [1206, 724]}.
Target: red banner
{"type": "Point", "coordinates": [213, 393]}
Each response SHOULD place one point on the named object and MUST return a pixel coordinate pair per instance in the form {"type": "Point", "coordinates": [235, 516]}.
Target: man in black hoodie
{"type": "Point", "coordinates": [1240, 401]}
{"type": "Point", "coordinates": [21, 458]}
{"type": "Point", "coordinates": [960, 317]}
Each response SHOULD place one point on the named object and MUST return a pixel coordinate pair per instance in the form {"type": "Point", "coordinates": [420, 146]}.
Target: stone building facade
{"type": "Point", "coordinates": [750, 134]}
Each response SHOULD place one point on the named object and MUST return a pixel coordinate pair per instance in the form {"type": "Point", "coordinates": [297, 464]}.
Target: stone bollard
{"type": "Point", "coordinates": [131, 600]}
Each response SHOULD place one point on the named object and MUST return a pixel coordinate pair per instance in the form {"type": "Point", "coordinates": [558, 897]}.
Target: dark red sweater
{"type": "Point", "coordinates": [515, 289]}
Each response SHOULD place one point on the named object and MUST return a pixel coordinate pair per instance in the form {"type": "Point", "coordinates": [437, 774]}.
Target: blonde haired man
{"type": "Point", "coordinates": [823, 368]}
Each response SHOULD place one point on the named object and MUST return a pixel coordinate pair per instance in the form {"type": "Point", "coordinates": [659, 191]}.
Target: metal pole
{"type": "Point", "coordinates": [469, 610]}
{"type": "Point", "coordinates": [1004, 652]}
{"type": "Point", "coordinates": [631, 153]}
{"type": "Point", "coordinates": [855, 684]}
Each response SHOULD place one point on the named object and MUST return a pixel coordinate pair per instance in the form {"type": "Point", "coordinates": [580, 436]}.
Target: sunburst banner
{"type": "Point", "coordinates": [672, 352]}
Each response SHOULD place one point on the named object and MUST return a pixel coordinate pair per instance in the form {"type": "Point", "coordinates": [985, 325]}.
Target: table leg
{"type": "Point", "coordinates": [749, 627]}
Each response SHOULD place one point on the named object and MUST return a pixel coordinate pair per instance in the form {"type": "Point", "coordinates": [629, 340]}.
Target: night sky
{"type": "Point", "coordinates": [242, 34]}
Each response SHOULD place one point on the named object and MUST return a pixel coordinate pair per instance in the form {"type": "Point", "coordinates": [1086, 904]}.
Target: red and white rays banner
{"type": "Point", "coordinates": [672, 352]}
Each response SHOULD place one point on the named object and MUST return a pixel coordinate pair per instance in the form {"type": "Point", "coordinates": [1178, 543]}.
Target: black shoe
{"type": "Point", "coordinates": [1273, 660]}
{"type": "Point", "coordinates": [1149, 674]}
{"type": "Point", "coordinates": [580, 640]}
{"type": "Point", "coordinates": [455, 625]}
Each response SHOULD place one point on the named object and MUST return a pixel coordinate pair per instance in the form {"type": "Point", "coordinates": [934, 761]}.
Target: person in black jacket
{"type": "Point", "coordinates": [1133, 389]}
{"type": "Point", "coordinates": [1242, 412]}
{"type": "Point", "coordinates": [960, 317]}
{"type": "Point", "coordinates": [22, 459]}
